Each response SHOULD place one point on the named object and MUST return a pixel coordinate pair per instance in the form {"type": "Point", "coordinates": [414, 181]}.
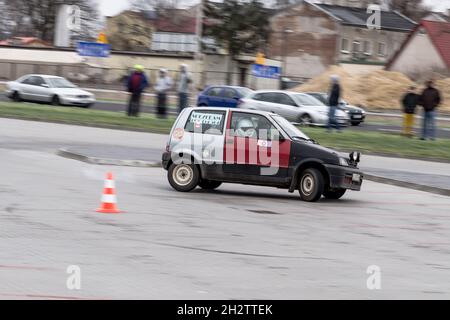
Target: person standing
{"type": "Point", "coordinates": [429, 100]}
{"type": "Point", "coordinates": [163, 85]}
{"type": "Point", "coordinates": [333, 102]}
{"type": "Point", "coordinates": [409, 103]}
{"type": "Point", "coordinates": [137, 82]}
{"type": "Point", "coordinates": [185, 79]}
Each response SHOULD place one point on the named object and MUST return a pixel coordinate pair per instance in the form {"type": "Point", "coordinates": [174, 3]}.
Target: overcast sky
{"type": "Point", "coordinates": [112, 7]}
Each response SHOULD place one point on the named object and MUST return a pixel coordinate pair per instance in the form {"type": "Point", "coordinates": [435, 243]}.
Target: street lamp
{"type": "Point", "coordinates": [283, 71]}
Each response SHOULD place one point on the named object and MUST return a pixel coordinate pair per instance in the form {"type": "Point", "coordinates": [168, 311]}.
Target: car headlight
{"type": "Point", "coordinates": [343, 162]}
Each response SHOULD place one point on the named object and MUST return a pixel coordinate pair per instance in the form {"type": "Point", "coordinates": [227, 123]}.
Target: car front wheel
{"type": "Point", "coordinates": [306, 120]}
{"type": "Point", "coordinates": [311, 185]}
{"type": "Point", "coordinates": [56, 101]}
{"type": "Point", "coordinates": [183, 177]}
{"type": "Point", "coordinates": [334, 193]}
{"type": "Point", "coordinates": [16, 97]}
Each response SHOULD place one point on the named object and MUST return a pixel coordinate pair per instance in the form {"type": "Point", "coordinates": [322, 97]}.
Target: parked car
{"type": "Point", "coordinates": [211, 146]}
{"type": "Point", "coordinates": [50, 89]}
{"type": "Point", "coordinates": [295, 107]}
{"type": "Point", "coordinates": [222, 96]}
{"type": "Point", "coordinates": [357, 114]}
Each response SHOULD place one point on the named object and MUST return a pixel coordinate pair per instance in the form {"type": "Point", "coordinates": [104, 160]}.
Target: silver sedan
{"type": "Point", "coordinates": [50, 89]}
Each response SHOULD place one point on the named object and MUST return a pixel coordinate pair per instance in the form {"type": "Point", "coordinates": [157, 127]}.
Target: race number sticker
{"type": "Point", "coordinates": [178, 134]}
{"type": "Point", "coordinates": [264, 144]}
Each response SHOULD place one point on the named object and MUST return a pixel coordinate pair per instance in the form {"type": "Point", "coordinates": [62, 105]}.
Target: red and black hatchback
{"type": "Point", "coordinates": [211, 146]}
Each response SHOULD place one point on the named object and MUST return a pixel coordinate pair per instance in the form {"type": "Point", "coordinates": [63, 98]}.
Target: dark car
{"type": "Point", "coordinates": [211, 146]}
{"type": "Point", "coordinates": [357, 114]}
{"type": "Point", "coordinates": [222, 96]}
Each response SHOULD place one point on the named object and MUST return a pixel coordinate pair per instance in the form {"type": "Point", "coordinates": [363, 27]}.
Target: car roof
{"type": "Point", "coordinates": [265, 113]}
{"type": "Point", "coordinates": [224, 86]}
{"type": "Point", "coordinates": [40, 75]}
{"type": "Point", "coordinates": [279, 91]}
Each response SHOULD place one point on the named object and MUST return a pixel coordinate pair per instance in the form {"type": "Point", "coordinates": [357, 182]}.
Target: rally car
{"type": "Point", "coordinates": [211, 146]}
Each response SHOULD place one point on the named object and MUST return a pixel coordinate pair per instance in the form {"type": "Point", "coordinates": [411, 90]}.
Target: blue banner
{"type": "Point", "coordinates": [270, 72]}
{"type": "Point", "coordinates": [93, 49]}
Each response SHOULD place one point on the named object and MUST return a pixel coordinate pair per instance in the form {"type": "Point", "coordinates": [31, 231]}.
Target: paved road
{"type": "Point", "coordinates": [237, 243]}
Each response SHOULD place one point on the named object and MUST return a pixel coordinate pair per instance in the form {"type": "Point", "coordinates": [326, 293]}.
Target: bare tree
{"type": "Point", "coordinates": [413, 9]}
{"type": "Point", "coordinates": [37, 18]}
{"type": "Point", "coordinates": [156, 5]}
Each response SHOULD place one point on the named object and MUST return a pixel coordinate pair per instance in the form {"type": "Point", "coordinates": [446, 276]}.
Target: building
{"type": "Point", "coordinates": [426, 51]}
{"type": "Point", "coordinates": [310, 36]}
{"type": "Point", "coordinates": [25, 42]}
{"type": "Point", "coordinates": [130, 31]}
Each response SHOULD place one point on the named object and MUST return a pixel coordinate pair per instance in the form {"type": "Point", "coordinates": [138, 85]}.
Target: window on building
{"type": "Point", "coordinates": [367, 48]}
{"type": "Point", "coordinates": [356, 46]}
{"type": "Point", "coordinates": [344, 45]}
{"type": "Point", "coordinates": [381, 49]}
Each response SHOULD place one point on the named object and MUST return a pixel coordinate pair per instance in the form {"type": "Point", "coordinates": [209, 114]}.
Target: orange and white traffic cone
{"type": "Point", "coordinates": [109, 199]}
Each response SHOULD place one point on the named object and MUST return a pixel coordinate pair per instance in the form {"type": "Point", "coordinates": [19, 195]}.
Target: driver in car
{"type": "Point", "coordinates": [246, 129]}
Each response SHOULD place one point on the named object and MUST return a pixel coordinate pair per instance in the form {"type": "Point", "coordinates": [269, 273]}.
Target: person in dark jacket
{"type": "Point", "coordinates": [429, 100]}
{"type": "Point", "coordinates": [409, 103]}
{"type": "Point", "coordinates": [137, 82]}
{"type": "Point", "coordinates": [333, 102]}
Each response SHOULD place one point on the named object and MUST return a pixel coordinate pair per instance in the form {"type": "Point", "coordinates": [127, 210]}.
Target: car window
{"type": "Point", "coordinates": [38, 81]}
{"type": "Point", "coordinates": [265, 96]}
{"type": "Point", "coordinates": [214, 92]}
{"type": "Point", "coordinates": [29, 80]}
{"type": "Point", "coordinates": [244, 91]}
{"type": "Point", "coordinates": [206, 122]}
{"type": "Point", "coordinates": [246, 125]}
{"type": "Point", "coordinates": [229, 93]}
{"type": "Point", "coordinates": [61, 83]}
{"type": "Point", "coordinates": [307, 100]}
{"type": "Point", "coordinates": [283, 98]}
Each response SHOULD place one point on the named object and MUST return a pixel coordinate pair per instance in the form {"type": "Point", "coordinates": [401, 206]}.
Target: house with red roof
{"type": "Point", "coordinates": [426, 50]}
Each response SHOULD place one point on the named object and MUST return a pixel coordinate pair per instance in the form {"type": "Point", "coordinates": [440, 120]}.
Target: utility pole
{"type": "Point", "coordinates": [283, 71]}
{"type": "Point", "coordinates": [199, 35]}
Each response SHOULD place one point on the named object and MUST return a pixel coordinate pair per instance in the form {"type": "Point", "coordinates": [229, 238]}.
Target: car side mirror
{"type": "Point", "coordinates": [44, 85]}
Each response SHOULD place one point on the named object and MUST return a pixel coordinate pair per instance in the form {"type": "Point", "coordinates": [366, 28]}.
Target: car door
{"type": "Point", "coordinates": [230, 98]}
{"type": "Point", "coordinates": [26, 88]}
{"type": "Point", "coordinates": [40, 89]}
{"type": "Point", "coordinates": [215, 98]}
{"type": "Point", "coordinates": [285, 106]}
{"type": "Point", "coordinates": [254, 150]}
{"type": "Point", "coordinates": [263, 102]}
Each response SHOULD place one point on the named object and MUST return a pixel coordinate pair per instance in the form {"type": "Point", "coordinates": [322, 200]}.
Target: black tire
{"type": "Point", "coordinates": [209, 185]}
{"type": "Point", "coordinates": [87, 106]}
{"type": "Point", "coordinates": [355, 124]}
{"type": "Point", "coordinates": [183, 177]}
{"type": "Point", "coordinates": [55, 101]}
{"type": "Point", "coordinates": [334, 193]}
{"type": "Point", "coordinates": [311, 185]}
{"type": "Point", "coordinates": [16, 97]}
{"type": "Point", "coordinates": [305, 120]}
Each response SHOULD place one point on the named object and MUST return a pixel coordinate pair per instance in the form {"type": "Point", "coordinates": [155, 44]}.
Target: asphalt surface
{"type": "Point", "coordinates": [238, 242]}
{"type": "Point", "coordinates": [121, 107]}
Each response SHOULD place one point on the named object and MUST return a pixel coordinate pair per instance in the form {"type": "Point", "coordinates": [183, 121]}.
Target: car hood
{"type": "Point", "coordinates": [71, 91]}
{"type": "Point", "coordinates": [353, 108]}
{"type": "Point", "coordinates": [315, 151]}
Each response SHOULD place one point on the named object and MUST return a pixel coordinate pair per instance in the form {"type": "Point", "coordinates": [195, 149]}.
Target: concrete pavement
{"type": "Point", "coordinates": [238, 242]}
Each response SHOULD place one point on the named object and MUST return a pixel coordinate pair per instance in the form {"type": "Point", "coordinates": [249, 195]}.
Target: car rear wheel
{"type": "Point", "coordinates": [209, 185]}
{"type": "Point", "coordinates": [306, 120]}
{"type": "Point", "coordinates": [56, 101]}
{"type": "Point", "coordinates": [355, 124]}
{"type": "Point", "coordinates": [311, 185]}
{"type": "Point", "coordinates": [16, 97]}
{"type": "Point", "coordinates": [334, 193]}
{"type": "Point", "coordinates": [183, 177]}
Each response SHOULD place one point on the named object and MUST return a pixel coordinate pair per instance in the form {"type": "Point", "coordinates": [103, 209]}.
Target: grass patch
{"type": "Point", "coordinates": [87, 117]}
{"type": "Point", "coordinates": [369, 142]}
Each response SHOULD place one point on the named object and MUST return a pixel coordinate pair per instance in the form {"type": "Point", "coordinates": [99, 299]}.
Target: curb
{"type": "Point", "coordinates": [108, 162]}
{"type": "Point", "coordinates": [409, 185]}
{"type": "Point", "coordinates": [157, 164]}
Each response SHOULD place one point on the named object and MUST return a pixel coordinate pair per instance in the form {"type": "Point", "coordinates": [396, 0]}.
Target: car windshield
{"type": "Point", "coordinates": [244, 91]}
{"type": "Point", "coordinates": [290, 129]}
{"type": "Point", "coordinates": [61, 83]}
{"type": "Point", "coordinates": [306, 100]}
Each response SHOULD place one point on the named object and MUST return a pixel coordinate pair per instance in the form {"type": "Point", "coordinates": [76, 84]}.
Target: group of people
{"type": "Point", "coordinates": [429, 99]}
{"type": "Point", "coordinates": [137, 82]}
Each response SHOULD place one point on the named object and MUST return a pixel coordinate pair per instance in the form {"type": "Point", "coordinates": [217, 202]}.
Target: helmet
{"type": "Point", "coordinates": [245, 128]}
{"type": "Point", "coordinates": [139, 67]}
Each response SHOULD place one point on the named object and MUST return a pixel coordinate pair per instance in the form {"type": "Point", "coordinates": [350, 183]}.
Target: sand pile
{"type": "Point", "coordinates": [375, 90]}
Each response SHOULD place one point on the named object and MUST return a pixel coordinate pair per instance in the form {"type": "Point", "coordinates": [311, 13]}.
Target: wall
{"type": "Point", "coordinates": [419, 56]}
{"type": "Point", "coordinates": [311, 48]}
{"type": "Point", "coordinates": [392, 40]}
